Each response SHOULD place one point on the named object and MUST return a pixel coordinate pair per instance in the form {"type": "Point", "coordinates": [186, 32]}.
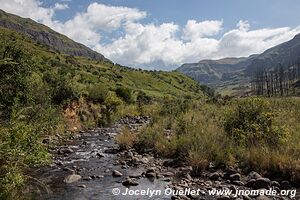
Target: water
{"type": "Point", "coordinates": [84, 157]}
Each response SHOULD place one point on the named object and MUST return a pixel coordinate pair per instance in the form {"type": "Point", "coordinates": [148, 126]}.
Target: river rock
{"type": "Point", "coordinates": [230, 170]}
{"type": "Point", "coordinates": [167, 174]}
{"type": "Point", "coordinates": [87, 178]}
{"type": "Point", "coordinates": [254, 175]}
{"type": "Point", "coordinates": [145, 160]}
{"type": "Point", "coordinates": [130, 182]}
{"type": "Point", "coordinates": [262, 197]}
{"type": "Point", "coordinates": [150, 175]}
{"type": "Point", "coordinates": [261, 183]}
{"type": "Point", "coordinates": [72, 178]}
{"type": "Point", "coordinates": [66, 151]}
{"type": "Point", "coordinates": [250, 183]}
{"type": "Point", "coordinates": [100, 155]}
{"type": "Point", "coordinates": [285, 185]}
{"type": "Point", "coordinates": [235, 177]}
{"type": "Point", "coordinates": [150, 170]}
{"type": "Point", "coordinates": [275, 184]}
{"type": "Point", "coordinates": [111, 151]}
{"type": "Point", "coordinates": [214, 176]}
{"type": "Point", "coordinates": [116, 173]}
{"type": "Point", "coordinates": [238, 183]}
{"type": "Point", "coordinates": [82, 186]}
{"type": "Point", "coordinates": [245, 197]}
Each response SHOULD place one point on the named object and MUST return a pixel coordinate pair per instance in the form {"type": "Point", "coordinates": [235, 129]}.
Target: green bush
{"type": "Point", "coordinates": [251, 123]}
{"type": "Point", "coordinates": [142, 98]}
{"type": "Point", "coordinates": [125, 94]}
{"type": "Point", "coordinates": [97, 93]}
{"type": "Point", "coordinates": [21, 147]}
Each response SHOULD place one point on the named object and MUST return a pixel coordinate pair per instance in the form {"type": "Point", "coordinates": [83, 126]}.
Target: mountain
{"type": "Point", "coordinates": [45, 35]}
{"type": "Point", "coordinates": [213, 71]}
{"type": "Point", "coordinates": [230, 74]}
{"type": "Point", "coordinates": [85, 71]}
{"type": "Point", "coordinates": [284, 54]}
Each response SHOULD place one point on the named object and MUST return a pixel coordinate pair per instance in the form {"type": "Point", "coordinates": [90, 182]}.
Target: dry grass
{"type": "Point", "coordinates": [198, 137]}
{"type": "Point", "coordinates": [126, 139]}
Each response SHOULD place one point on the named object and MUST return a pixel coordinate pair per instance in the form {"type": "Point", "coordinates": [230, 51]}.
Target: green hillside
{"type": "Point", "coordinates": [83, 72]}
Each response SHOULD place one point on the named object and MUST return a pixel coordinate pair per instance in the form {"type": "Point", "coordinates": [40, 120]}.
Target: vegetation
{"type": "Point", "coordinates": [281, 81]}
{"type": "Point", "coordinates": [252, 133]}
{"type": "Point", "coordinates": [43, 93]}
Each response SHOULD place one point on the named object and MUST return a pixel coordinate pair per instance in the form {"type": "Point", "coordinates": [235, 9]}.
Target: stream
{"type": "Point", "coordinates": [102, 168]}
{"type": "Point", "coordinates": [80, 156]}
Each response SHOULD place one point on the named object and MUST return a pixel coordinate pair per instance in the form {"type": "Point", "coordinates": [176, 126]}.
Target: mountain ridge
{"type": "Point", "coordinates": [45, 35]}
{"type": "Point", "coordinates": [235, 72]}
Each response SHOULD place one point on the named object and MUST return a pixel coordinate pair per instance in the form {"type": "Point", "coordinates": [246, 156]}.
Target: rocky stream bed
{"type": "Point", "coordinates": [90, 166]}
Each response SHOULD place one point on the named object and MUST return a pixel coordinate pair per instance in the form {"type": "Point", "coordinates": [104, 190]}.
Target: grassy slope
{"type": "Point", "coordinates": [87, 71]}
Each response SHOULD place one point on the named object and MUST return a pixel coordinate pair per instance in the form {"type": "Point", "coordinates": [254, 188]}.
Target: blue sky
{"type": "Point", "coordinates": [163, 34]}
{"type": "Point", "coordinates": [260, 13]}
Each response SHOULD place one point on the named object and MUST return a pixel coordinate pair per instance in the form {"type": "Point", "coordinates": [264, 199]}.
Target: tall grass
{"type": "Point", "coordinates": [253, 133]}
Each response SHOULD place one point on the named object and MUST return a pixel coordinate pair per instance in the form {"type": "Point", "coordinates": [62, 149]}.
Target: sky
{"type": "Point", "coordinates": [163, 34]}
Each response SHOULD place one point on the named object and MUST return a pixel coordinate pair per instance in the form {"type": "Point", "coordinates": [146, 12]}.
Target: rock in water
{"type": "Point", "coordinates": [130, 182]}
{"type": "Point", "coordinates": [72, 178]}
{"type": "Point", "coordinates": [116, 173]}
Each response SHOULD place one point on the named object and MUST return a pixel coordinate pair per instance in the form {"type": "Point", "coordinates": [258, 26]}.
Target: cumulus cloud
{"type": "Point", "coordinates": [244, 42]}
{"type": "Point", "coordinates": [29, 8]}
{"type": "Point", "coordinates": [85, 27]}
{"type": "Point", "coordinates": [146, 44]}
{"type": "Point", "coordinates": [194, 30]}
{"type": "Point", "coordinates": [60, 6]}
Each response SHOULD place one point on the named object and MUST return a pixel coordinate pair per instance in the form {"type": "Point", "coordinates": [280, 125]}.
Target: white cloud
{"type": "Point", "coordinates": [243, 25]}
{"type": "Point", "coordinates": [244, 42]}
{"type": "Point", "coordinates": [60, 6]}
{"type": "Point", "coordinates": [143, 44]}
{"type": "Point", "coordinates": [29, 8]}
{"type": "Point", "coordinates": [85, 27]}
{"type": "Point", "coordinates": [194, 30]}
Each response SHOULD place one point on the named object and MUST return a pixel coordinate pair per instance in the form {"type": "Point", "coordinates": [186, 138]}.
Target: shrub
{"type": "Point", "coordinates": [21, 147]}
{"type": "Point", "coordinates": [112, 102]}
{"type": "Point", "coordinates": [251, 123]}
{"type": "Point", "coordinates": [126, 139]}
{"type": "Point", "coordinates": [142, 98]}
{"type": "Point", "coordinates": [64, 92]}
{"type": "Point", "coordinates": [125, 94]}
{"type": "Point", "coordinates": [97, 92]}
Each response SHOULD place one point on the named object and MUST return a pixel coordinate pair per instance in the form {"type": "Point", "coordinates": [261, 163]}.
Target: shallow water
{"type": "Point", "coordinates": [85, 148]}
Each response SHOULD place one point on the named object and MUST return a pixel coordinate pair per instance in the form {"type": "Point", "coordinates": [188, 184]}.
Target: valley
{"type": "Point", "coordinates": [76, 125]}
